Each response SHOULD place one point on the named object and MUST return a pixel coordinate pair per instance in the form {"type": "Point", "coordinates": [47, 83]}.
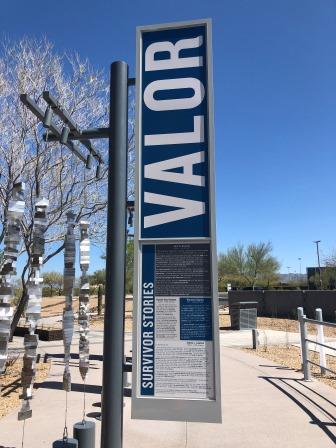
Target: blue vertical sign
{"type": "Point", "coordinates": [147, 322]}
{"type": "Point", "coordinates": [174, 120]}
{"type": "Point", "coordinates": [176, 374]}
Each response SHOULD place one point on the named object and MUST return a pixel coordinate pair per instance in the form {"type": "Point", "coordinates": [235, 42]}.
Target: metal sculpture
{"type": "Point", "coordinates": [8, 267]}
{"type": "Point", "coordinates": [69, 281]}
{"type": "Point", "coordinates": [84, 298]}
{"type": "Point", "coordinates": [33, 309]}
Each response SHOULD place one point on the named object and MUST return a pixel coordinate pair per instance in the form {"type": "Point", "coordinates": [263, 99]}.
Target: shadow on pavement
{"type": "Point", "coordinates": [289, 387]}
{"type": "Point", "coordinates": [96, 415]}
{"type": "Point", "coordinates": [13, 386]}
{"type": "Point", "coordinates": [75, 356]}
{"type": "Point", "coordinates": [75, 387]}
{"type": "Point", "coordinates": [276, 367]}
{"type": "Point", "coordinates": [72, 364]}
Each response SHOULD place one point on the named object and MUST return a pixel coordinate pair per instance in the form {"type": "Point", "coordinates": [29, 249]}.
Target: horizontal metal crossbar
{"type": "Point", "coordinates": [60, 111]}
{"type": "Point", "coordinates": [38, 112]}
{"type": "Point", "coordinates": [93, 133]}
{"type": "Point", "coordinates": [318, 322]}
{"type": "Point", "coordinates": [63, 114]}
{"type": "Point", "coordinates": [318, 365]}
{"type": "Point", "coordinates": [319, 343]}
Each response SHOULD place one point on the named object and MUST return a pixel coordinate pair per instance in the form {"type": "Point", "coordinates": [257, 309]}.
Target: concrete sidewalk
{"type": "Point", "coordinates": [264, 405]}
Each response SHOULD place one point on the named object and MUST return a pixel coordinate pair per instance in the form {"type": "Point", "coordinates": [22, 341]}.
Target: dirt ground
{"type": "Point", "coordinates": [270, 323]}
{"type": "Point", "coordinates": [10, 385]}
{"type": "Point", "coordinates": [97, 322]}
{"type": "Point", "coordinates": [53, 306]}
{"type": "Point", "coordinates": [290, 357]}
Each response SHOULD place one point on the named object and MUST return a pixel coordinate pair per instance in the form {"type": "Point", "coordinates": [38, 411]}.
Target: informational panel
{"type": "Point", "coordinates": [176, 374]}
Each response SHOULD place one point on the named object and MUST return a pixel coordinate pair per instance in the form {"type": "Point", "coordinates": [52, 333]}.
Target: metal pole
{"type": "Point", "coordinates": [100, 299]}
{"type": "Point", "coordinates": [300, 314]}
{"type": "Point", "coordinates": [318, 261]}
{"type": "Point", "coordinates": [304, 345]}
{"type": "Point", "coordinates": [112, 397]}
{"type": "Point", "coordinates": [255, 338]}
{"type": "Point", "coordinates": [320, 339]}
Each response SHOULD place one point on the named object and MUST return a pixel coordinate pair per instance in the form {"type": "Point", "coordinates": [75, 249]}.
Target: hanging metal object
{"type": "Point", "coordinates": [84, 300]}
{"type": "Point", "coordinates": [8, 267]}
{"type": "Point", "coordinates": [47, 117]}
{"type": "Point", "coordinates": [99, 171]}
{"type": "Point", "coordinates": [64, 135]}
{"type": "Point", "coordinates": [69, 282]}
{"type": "Point", "coordinates": [33, 309]}
{"type": "Point", "coordinates": [89, 160]}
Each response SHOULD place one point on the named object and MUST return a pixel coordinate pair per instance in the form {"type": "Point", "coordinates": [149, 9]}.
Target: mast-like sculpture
{"type": "Point", "coordinates": [84, 298]}
{"type": "Point", "coordinates": [8, 267]}
{"type": "Point", "coordinates": [33, 310]}
{"type": "Point", "coordinates": [69, 281]}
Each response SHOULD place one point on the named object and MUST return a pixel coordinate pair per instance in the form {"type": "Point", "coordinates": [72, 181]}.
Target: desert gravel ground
{"type": "Point", "coordinates": [10, 385]}
{"type": "Point", "coordinates": [270, 323]}
{"type": "Point", "coordinates": [289, 356]}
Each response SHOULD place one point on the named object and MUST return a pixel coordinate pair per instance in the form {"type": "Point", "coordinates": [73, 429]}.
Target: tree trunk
{"type": "Point", "coordinates": [18, 312]}
{"type": "Point", "coordinates": [100, 299]}
{"type": "Point", "coordinates": [22, 302]}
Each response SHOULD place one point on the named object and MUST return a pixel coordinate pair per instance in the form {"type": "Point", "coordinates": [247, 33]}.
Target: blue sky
{"type": "Point", "coordinates": [275, 104]}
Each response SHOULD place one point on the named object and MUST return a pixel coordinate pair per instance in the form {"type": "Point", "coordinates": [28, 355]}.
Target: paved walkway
{"type": "Point", "coordinates": [264, 405]}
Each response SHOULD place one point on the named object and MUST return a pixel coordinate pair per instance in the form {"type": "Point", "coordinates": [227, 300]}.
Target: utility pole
{"type": "Point", "coordinates": [318, 261]}
{"type": "Point", "coordinates": [289, 276]}
{"type": "Point", "coordinates": [300, 279]}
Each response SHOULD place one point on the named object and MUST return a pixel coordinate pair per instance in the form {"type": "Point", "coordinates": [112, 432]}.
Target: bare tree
{"type": "Point", "coordinates": [49, 169]}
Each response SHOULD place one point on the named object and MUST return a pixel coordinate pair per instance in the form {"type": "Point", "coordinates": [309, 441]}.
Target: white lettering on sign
{"type": "Point", "coordinates": [174, 61]}
{"type": "Point", "coordinates": [184, 93]}
{"type": "Point", "coordinates": [176, 103]}
{"type": "Point", "coordinates": [187, 208]}
{"type": "Point", "coordinates": [160, 170]}
{"type": "Point", "coordinates": [179, 138]}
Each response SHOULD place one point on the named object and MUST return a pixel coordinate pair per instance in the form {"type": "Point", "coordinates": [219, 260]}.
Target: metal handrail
{"type": "Point", "coordinates": [318, 322]}
{"type": "Point", "coordinates": [318, 365]}
{"type": "Point", "coordinates": [319, 343]}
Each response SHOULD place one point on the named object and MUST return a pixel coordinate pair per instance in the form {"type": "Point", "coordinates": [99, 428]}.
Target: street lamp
{"type": "Point", "coordinates": [300, 269]}
{"type": "Point", "coordinates": [288, 268]}
{"type": "Point", "coordinates": [318, 261]}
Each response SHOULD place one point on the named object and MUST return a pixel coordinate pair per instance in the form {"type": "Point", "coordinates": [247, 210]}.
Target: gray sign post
{"type": "Point", "coordinates": [112, 396]}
